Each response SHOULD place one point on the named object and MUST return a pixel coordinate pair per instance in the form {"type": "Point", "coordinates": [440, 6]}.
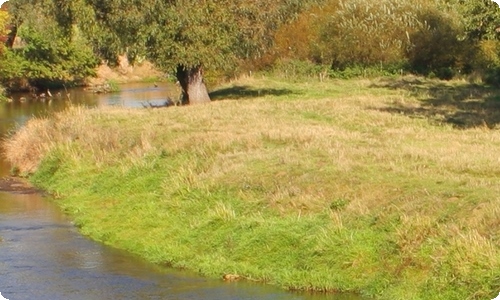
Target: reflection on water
{"type": "Point", "coordinates": [42, 256]}
{"type": "Point", "coordinates": [130, 95]}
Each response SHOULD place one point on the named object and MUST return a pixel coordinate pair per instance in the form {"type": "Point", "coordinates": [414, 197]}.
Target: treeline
{"type": "Point", "coordinates": [52, 42]}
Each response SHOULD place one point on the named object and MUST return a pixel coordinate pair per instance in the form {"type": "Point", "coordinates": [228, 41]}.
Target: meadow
{"type": "Point", "coordinates": [385, 187]}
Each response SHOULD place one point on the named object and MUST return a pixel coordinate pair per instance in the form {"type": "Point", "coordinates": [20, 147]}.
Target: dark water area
{"type": "Point", "coordinates": [42, 255]}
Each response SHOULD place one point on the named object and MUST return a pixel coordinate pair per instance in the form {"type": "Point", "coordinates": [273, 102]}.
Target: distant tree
{"type": "Point", "coordinates": [48, 54]}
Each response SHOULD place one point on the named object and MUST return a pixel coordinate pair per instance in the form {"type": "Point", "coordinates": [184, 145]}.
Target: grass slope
{"type": "Point", "coordinates": [387, 187]}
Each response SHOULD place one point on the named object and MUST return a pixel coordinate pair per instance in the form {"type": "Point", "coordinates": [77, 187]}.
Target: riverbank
{"type": "Point", "coordinates": [106, 79]}
{"type": "Point", "coordinates": [382, 187]}
{"type": "Point", "coordinates": [125, 73]}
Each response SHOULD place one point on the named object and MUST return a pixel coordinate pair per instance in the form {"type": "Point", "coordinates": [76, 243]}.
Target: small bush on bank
{"type": "Point", "coordinates": [3, 97]}
{"type": "Point", "coordinates": [45, 55]}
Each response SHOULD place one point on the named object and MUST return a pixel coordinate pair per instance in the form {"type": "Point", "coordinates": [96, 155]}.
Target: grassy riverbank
{"type": "Point", "coordinates": [387, 187]}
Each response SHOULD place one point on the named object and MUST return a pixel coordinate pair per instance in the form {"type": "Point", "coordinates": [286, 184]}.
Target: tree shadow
{"type": "Point", "coordinates": [463, 105]}
{"type": "Point", "coordinates": [246, 92]}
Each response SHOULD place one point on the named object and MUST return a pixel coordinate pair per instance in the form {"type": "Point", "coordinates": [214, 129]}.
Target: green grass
{"type": "Point", "coordinates": [351, 185]}
{"type": "Point", "coordinates": [112, 86]}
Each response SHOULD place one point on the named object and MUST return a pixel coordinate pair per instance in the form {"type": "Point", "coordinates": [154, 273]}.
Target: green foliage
{"type": "Point", "coordinates": [12, 66]}
{"type": "Point", "coordinates": [51, 57]}
{"type": "Point", "coordinates": [113, 86]}
{"type": "Point", "coordinates": [481, 19]}
{"type": "Point", "coordinates": [339, 204]}
{"type": "Point", "coordinates": [4, 21]}
{"type": "Point", "coordinates": [197, 33]}
{"type": "Point", "coordinates": [359, 37]}
{"type": "Point", "coordinates": [294, 68]}
{"type": "Point", "coordinates": [381, 70]}
{"type": "Point", "coordinates": [481, 22]}
{"type": "Point", "coordinates": [3, 98]}
{"type": "Point", "coordinates": [47, 55]}
{"type": "Point", "coordinates": [352, 38]}
{"type": "Point", "coordinates": [369, 32]}
{"type": "Point", "coordinates": [351, 33]}
{"type": "Point", "coordinates": [180, 33]}
{"type": "Point", "coordinates": [297, 68]}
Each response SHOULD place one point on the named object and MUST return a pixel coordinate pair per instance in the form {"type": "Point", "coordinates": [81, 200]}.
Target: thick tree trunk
{"type": "Point", "coordinates": [194, 90]}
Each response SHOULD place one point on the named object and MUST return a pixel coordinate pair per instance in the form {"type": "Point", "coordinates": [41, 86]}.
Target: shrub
{"type": "Point", "coordinates": [358, 37]}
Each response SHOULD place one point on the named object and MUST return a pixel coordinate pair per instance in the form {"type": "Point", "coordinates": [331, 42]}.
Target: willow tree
{"type": "Point", "coordinates": [185, 37]}
{"type": "Point", "coordinates": [188, 36]}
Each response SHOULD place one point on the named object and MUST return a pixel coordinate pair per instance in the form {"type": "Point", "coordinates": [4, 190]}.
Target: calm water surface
{"type": "Point", "coordinates": [42, 256]}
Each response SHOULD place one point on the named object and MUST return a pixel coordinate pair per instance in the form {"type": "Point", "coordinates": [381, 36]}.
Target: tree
{"type": "Point", "coordinates": [189, 36]}
{"type": "Point", "coordinates": [183, 36]}
{"type": "Point", "coordinates": [481, 19]}
{"type": "Point", "coordinates": [4, 17]}
{"type": "Point", "coordinates": [49, 54]}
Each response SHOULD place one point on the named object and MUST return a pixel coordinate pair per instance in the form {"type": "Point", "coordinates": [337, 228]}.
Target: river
{"type": "Point", "coordinates": [42, 255]}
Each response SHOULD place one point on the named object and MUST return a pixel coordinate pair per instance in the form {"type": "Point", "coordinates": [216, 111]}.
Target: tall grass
{"type": "Point", "coordinates": [327, 186]}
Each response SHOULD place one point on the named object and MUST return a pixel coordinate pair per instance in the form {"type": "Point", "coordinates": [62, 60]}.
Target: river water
{"type": "Point", "coordinates": [42, 255]}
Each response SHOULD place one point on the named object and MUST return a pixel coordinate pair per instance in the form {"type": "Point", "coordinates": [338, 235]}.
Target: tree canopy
{"type": "Point", "coordinates": [177, 35]}
{"type": "Point", "coordinates": [186, 32]}
{"type": "Point", "coordinates": [65, 38]}
{"type": "Point", "coordinates": [481, 19]}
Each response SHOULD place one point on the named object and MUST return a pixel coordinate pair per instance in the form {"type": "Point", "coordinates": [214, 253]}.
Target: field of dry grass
{"type": "Point", "coordinates": [386, 187]}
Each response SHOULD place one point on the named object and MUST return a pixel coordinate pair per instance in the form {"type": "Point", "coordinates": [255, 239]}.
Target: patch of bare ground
{"type": "Point", "coordinates": [124, 72]}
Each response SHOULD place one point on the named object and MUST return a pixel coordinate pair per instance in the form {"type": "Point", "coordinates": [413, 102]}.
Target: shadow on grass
{"type": "Point", "coordinates": [463, 105]}
{"type": "Point", "coordinates": [246, 92]}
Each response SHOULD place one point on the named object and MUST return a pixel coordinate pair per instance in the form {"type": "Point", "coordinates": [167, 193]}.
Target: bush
{"type": "Point", "coordinates": [368, 38]}
{"type": "Point", "coordinates": [48, 55]}
{"type": "Point", "coordinates": [435, 47]}
{"type": "Point", "coordinates": [52, 58]}
{"type": "Point", "coordinates": [3, 98]}
{"type": "Point", "coordinates": [486, 61]}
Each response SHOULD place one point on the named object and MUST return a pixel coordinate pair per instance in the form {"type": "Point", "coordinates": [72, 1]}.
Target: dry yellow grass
{"type": "Point", "coordinates": [294, 146]}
